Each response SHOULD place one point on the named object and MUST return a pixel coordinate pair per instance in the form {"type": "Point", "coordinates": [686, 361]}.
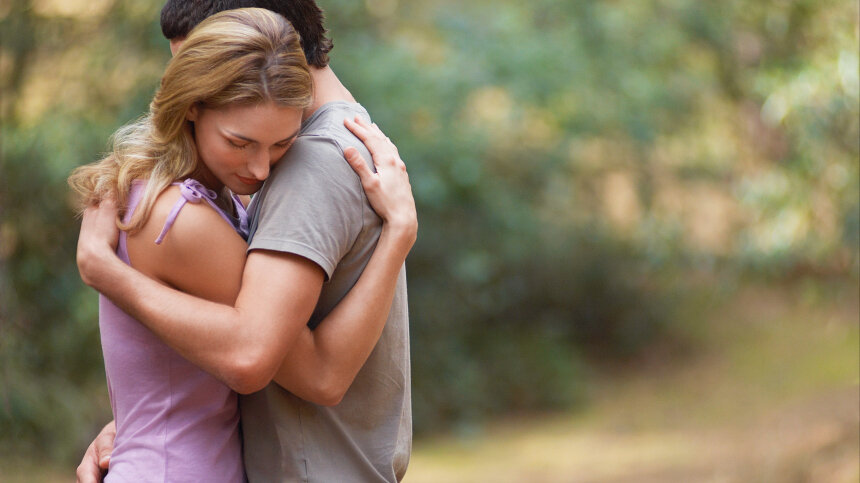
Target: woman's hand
{"type": "Point", "coordinates": [388, 189]}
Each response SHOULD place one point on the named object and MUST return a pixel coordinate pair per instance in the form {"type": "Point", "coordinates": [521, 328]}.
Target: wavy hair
{"type": "Point", "coordinates": [244, 56]}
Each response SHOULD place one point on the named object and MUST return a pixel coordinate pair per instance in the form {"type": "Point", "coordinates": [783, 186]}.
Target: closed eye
{"type": "Point", "coordinates": [238, 146]}
{"type": "Point", "coordinates": [287, 142]}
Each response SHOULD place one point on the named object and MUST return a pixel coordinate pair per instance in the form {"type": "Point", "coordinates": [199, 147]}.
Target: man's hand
{"type": "Point", "coordinates": [95, 463]}
{"type": "Point", "coordinates": [98, 239]}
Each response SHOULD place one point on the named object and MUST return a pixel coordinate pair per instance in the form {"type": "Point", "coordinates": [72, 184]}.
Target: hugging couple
{"type": "Point", "coordinates": [260, 339]}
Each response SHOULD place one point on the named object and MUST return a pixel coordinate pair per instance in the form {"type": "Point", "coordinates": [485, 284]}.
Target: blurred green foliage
{"type": "Point", "coordinates": [574, 164]}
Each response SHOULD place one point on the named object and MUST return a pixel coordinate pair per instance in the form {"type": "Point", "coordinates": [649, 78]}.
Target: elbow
{"type": "Point", "coordinates": [326, 391]}
{"type": "Point", "coordinates": [330, 396]}
{"type": "Point", "coordinates": [249, 373]}
{"type": "Point", "coordinates": [244, 385]}
{"type": "Point", "coordinates": [323, 389]}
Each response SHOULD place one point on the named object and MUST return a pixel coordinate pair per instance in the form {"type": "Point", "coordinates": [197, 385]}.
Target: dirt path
{"type": "Point", "coordinates": [816, 440]}
{"type": "Point", "coordinates": [772, 396]}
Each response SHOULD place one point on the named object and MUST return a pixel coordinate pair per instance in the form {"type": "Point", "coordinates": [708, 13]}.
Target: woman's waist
{"type": "Point", "coordinates": [150, 394]}
{"type": "Point", "coordinates": [140, 366]}
{"type": "Point", "coordinates": [184, 453]}
{"type": "Point", "coordinates": [150, 430]}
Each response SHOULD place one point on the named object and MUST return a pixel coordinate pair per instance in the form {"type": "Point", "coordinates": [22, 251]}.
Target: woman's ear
{"type": "Point", "coordinates": [192, 113]}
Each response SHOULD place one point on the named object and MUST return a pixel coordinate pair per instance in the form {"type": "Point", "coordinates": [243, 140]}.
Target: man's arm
{"type": "Point", "coordinates": [96, 460]}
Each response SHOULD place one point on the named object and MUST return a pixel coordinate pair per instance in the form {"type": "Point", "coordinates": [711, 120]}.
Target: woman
{"type": "Point", "coordinates": [230, 104]}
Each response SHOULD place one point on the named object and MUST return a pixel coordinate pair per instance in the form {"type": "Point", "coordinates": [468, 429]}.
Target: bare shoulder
{"type": "Point", "coordinates": [142, 249]}
{"type": "Point", "coordinates": [196, 230]}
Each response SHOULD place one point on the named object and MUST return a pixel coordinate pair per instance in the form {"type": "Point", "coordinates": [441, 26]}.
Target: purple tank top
{"type": "Point", "coordinates": [174, 421]}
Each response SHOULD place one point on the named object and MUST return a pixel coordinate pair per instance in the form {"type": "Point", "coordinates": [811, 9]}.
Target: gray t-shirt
{"type": "Point", "coordinates": [313, 205]}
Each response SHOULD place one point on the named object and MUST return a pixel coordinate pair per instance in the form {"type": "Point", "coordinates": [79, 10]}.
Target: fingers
{"type": "Point", "coordinates": [359, 165]}
{"type": "Point", "coordinates": [358, 127]}
{"type": "Point", "coordinates": [108, 203]}
{"type": "Point", "coordinates": [87, 475]}
{"type": "Point", "coordinates": [103, 454]}
{"type": "Point", "coordinates": [104, 444]}
{"type": "Point", "coordinates": [90, 469]}
{"type": "Point", "coordinates": [383, 151]}
{"type": "Point", "coordinates": [106, 209]}
{"type": "Point", "coordinates": [371, 136]}
{"type": "Point", "coordinates": [104, 212]}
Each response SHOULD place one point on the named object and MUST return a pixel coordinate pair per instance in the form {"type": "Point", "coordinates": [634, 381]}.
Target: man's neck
{"type": "Point", "coordinates": [327, 88]}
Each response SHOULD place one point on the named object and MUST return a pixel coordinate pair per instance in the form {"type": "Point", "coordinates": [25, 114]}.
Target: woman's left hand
{"type": "Point", "coordinates": [388, 189]}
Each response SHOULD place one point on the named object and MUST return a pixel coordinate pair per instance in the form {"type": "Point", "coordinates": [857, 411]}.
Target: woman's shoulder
{"type": "Point", "coordinates": [143, 250]}
{"type": "Point", "coordinates": [191, 236]}
{"type": "Point", "coordinates": [174, 228]}
{"type": "Point", "coordinates": [178, 215]}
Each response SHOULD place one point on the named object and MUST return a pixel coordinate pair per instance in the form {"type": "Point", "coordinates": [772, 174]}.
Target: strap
{"type": "Point", "coordinates": [193, 191]}
{"type": "Point", "coordinates": [243, 228]}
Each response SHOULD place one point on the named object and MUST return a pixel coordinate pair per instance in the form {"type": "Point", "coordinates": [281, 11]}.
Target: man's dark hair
{"type": "Point", "coordinates": [178, 17]}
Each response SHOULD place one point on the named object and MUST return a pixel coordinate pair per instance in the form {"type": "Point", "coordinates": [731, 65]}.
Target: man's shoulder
{"type": "Point", "coordinates": [326, 125]}
{"type": "Point", "coordinates": [320, 146]}
{"type": "Point", "coordinates": [313, 198]}
{"type": "Point", "coordinates": [316, 157]}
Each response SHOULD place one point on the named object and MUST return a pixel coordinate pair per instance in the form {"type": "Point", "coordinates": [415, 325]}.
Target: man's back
{"type": "Point", "coordinates": [313, 205]}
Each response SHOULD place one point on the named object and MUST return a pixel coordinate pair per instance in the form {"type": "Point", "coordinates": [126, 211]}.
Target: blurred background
{"type": "Point", "coordinates": [638, 253]}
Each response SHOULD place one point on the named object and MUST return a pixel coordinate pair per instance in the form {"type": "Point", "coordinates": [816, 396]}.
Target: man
{"type": "Point", "coordinates": [312, 233]}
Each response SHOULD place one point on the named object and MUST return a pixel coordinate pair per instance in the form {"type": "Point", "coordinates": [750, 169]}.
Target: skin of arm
{"type": "Point", "coordinates": [203, 257]}
{"type": "Point", "coordinates": [337, 349]}
{"type": "Point", "coordinates": [244, 345]}
{"type": "Point", "coordinates": [96, 251]}
{"type": "Point", "coordinates": [337, 334]}
{"type": "Point", "coordinates": [199, 254]}
{"type": "Point", "coordinates": [265, 335]}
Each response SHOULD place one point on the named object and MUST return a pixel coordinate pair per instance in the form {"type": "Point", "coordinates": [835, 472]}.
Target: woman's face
{"type": "Point", "coordinates": [238, 144]}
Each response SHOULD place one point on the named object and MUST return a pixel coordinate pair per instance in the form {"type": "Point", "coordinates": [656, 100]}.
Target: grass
{"type": "Point", "coordinates": [770, 394]}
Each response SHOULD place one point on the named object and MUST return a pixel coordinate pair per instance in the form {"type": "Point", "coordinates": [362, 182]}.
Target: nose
{"type": "Point", "coordinates": [259, 166]}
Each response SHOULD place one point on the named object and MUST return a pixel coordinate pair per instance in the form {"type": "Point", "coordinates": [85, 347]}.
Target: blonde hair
{"type": "Point", "coordinates": [243, 56]}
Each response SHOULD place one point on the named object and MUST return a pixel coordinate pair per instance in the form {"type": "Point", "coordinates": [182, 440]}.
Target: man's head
{"type": "Point", "coordinates": [178, 17]}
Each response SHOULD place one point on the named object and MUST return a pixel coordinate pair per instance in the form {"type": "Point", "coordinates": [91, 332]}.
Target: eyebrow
{"type": "Point", "coordinates": [243, 138]}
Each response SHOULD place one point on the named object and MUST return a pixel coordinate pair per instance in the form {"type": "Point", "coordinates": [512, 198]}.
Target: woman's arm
{"type": "Point", "coordinates": [322, 364]}
{"type": "Point", "coordinates": [239, 346]}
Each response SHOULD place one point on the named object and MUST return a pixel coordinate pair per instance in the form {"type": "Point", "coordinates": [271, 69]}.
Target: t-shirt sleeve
{"type": "Point", "coordinates": [312, 206]}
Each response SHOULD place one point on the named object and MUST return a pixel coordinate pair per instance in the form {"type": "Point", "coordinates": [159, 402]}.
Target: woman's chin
{"type": "Point", "coordinates": [241, 187]}
{"type": "Point", "coordinates": [245, 189]}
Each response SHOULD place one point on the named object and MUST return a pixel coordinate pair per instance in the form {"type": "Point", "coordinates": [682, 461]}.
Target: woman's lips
{"type": "Point", "coordinates": [248, 181]}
